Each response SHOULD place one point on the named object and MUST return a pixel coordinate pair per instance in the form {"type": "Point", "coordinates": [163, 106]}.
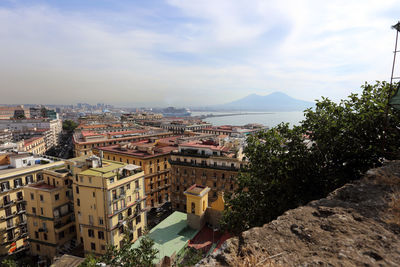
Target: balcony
{"type": "Point", "coordinates": [12, 226]}
{"type": "Point", "coordinates": [203, 165]}
{"type": "Point", "coordinates": [7, 203]}
{"type": "Point", "coordinates": [20, 200]}
{"type": "Point", "coordinates": [120, 196]}
{"type": "Point", "coordinates": [59, 224]}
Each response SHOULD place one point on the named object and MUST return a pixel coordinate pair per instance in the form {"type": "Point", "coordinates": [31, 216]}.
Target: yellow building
{"type": "Point", "coordinates": [197, 203]}
{"type": "Point", "coordinates": [153, 156]}
{"type": "Point", "coordinates": [21, 171]}
{"type": "Point", "coordinates": [35, 145]}
{"type": "Point", "coordinates": [108, 195]}
{"type": "Point", "coordinates": [50, 213]}
{"type": "Point", "coordinates": [86, 141]}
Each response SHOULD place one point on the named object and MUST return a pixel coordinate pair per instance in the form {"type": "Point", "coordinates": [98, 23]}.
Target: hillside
{"type": "Point", "coordinates": [273, 102]}
{"type": "Point", "coordinates": [356, 225]}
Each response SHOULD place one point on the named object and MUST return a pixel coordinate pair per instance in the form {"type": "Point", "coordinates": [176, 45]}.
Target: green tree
{"type": "Point", "coordinates": [286, 170]}
{"type": "Point", "coordinates": [127, 255]}
{"type": "Point", "coordinates": [69, 125]}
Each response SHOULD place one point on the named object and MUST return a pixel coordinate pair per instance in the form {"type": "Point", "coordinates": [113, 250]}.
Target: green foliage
{"type": "Point", "coordinates": [126, 255]}
{"type": "Point", "coordinates": [69, 125]}
{"type": "Point", "coordinates": [90, 261]}
{"type": "Point", "coordinates": [286, 170]}
{"type": "Point", "coordinates": [9, 263]}
{"type": "Point", "coordinates": [191, 257]}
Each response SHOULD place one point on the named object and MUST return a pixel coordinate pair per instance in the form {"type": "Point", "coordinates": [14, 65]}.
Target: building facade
{"type": "Point", "coordinates": [50, 213]}
{"type": "Point", "coordinates": [54, 126]}
{"type": "Point", "coordinates": [35, 145]}
{"type": "Point", "coordinates": [153, 156]}
{"type": "Point", "coordinates": [108, 197]}
{"type": "Point", "coordinates": [13, 223]}
{"type": "Point", "coordinates": [204, 163]}
{"type": "Point", "coordinates": [84, 142]}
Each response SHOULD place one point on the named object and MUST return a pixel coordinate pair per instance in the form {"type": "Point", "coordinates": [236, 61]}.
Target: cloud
{"type": "Point", "coordinates": [192, 52]}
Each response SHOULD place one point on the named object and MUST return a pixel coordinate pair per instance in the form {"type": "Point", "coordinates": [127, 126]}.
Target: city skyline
{"type": "Point", "coordinates": [181, 53]}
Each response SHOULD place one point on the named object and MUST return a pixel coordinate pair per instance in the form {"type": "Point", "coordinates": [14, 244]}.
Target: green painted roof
{"type": "Point", "coordinates": [171, 235]}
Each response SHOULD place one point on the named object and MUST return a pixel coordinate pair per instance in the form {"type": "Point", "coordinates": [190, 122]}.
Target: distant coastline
{"type": "Point", "coordinates": [269, 119]}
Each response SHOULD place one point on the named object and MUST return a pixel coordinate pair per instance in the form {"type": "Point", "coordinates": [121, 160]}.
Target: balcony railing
{"type": "Point", "coordinates": [203, 165]}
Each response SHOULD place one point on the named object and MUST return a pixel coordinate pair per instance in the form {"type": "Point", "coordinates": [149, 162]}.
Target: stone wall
{"type": "Point", "coordinates": [356, 225]}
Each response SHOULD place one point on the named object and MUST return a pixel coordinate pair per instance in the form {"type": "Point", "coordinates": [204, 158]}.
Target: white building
{"type": "Point", "coordinates": [55, 127]}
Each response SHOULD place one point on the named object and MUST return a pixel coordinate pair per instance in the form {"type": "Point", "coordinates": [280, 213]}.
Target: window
{"type": "Point", "coordinates": [103, 247]}
{"type": "Point", "coordinates": [90, 179]}
{"type": "Point", "coordinates": [129, 199]}
{"type": "Point", "coordinates": [138, 219]}
{"type": "Point", "coordinates": [120, 217]}
{"type": "Point", "coordinates": [36, 234]}
{"type": "Point", "coordinates": [34, 210]}
{"type": "Point", "coordinates": [41, 198]}
{"type": "Point", "coordinates": [193, 207]}
{"type": "Point", "coordinates": [114, 194]}
{"type": "Point", "coordinates": [90, 233]}
{"type": "Point", "coordinates": [94, 194]}
{"type": "Point", "coordinates": [41, 211]}
{"type": "Point", "coordinates": [32, 196]}
{"type": "Point", "coordinates": [5, 186]}
{"type": "Point", "coordinates": [76, 177]}
{"type": "Point", "coordinates": [151, 170]}
{"type": "Point", "coordinates": [77, 189]}
{"type": "Point", "coordinates": [136, 184]}
{"type": "Point", "coordinates": [101, 235]}
{"type": "Point", "coordinates": [45, 236]}
{"type": "Point", "coordinates": [57, 196]}
{"type": "Point", "coordinates": [61, 235]}
{"type": "Point", "coordinates": [101, 222]}
{"type": "Point", "coordinates": [78, 202]}
{"type": "Point", "coordinates": [93, 246]}
{"type": "Point", "coordinates": [139, 232]}
{"type": "Point", "coordinates": [128, 186]}
{"type": "Point", "coordinates": [37, 247]}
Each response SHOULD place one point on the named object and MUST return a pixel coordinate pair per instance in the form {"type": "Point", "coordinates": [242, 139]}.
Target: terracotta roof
{"type": "Point", "coordinates": [31, 140]}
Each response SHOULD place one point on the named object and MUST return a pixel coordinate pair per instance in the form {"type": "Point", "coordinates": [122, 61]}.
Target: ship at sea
{"type": "Point", "coordinates": [174, 112]}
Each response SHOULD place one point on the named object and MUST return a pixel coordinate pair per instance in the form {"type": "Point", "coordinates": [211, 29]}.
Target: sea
{"type": "Point", "coordinates": [269, 119]}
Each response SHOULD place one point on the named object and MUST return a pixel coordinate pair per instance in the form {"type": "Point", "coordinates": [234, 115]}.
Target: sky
{"type": "Point", "coordinates": [191, 52]}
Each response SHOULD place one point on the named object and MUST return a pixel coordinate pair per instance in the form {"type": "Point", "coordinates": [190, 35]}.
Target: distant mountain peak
{"type": "Point", "coordinates": [276, 101]}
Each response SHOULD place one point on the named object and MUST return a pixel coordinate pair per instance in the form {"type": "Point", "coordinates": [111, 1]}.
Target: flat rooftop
{"type": "Point", "coordinates": [10, 172]}
{"type": "Point", "coordinates": [108, 167]}
{"type": "Point", "coordinates": [42, 186]}
{"type": "Point", "coordinates": [171, 235]}
{"type": "Point", "coordinates": [197, 190]}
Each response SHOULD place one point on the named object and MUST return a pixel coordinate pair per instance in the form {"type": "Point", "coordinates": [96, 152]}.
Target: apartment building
{"type": "Point", "coordinates": [108, 196]}
{"type": "Point", "coordinates": [107, 127]}
{"type": "Point", "coordinates": [205, 163]}
{"type": "Point", "coordinates": [152, 155]}
{"type": "Point", "coordinates": [50, 213]}
{"type": "Point", "coordinates": [180, 127]}
{"type": "Point", "coordinates": [85, 141]}
{"type": "Point", "coordinates": [17, 171]}
{"type": "Point", "coordinates": [35, 145]}
{"type": "Point", "coordinates": [7, 113]}
{"type": "Point", "coordinates": [54, 126]}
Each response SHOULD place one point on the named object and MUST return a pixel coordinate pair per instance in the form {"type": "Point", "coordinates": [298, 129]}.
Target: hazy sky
{"type": "Point", "coordinates": [183, 52]}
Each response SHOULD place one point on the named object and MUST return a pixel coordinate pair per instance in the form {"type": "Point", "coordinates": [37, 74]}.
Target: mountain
{"type": "Point", "coordinates": [277, 101]}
